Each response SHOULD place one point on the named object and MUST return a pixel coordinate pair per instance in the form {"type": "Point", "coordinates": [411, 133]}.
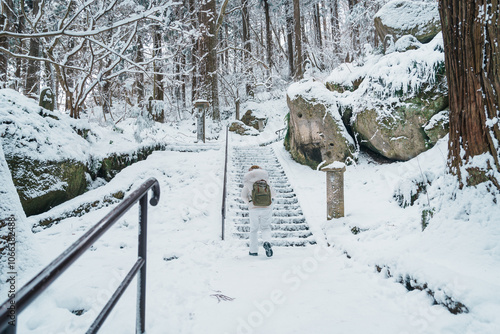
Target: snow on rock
{"type": "Point", "coordinates": [389, 98]}
{"type": "Point", "coordinates": [31, 131]}
{"type": "Point", "coordinates": [405, 17]}
{"type": "Point", "coordinates": [46, 157]}
{"type": "Point", "coordinates": [316, 130]}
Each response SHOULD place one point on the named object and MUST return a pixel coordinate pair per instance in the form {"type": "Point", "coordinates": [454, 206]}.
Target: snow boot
{"type": "Point", "coordinates": [267, 247]}
{"type": "Point", "coordinates": [252, 254]}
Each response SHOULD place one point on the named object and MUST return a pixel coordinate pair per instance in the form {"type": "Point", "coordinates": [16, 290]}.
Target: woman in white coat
{"type": "Point", "coordinates": [260, 216]}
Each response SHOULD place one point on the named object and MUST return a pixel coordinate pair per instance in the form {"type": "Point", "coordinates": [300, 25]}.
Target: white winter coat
{"type": "Point", "coordinates": [248, 181]}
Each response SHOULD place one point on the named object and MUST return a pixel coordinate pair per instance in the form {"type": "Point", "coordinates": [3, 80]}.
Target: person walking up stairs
{"type": "Point", "coordinates": [288, 226]}
{"type": "Point", "coordinates": [259, 196]}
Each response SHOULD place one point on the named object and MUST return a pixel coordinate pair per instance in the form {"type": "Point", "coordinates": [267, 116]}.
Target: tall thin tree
{"type": "Point", "coordinates": [298, 40]}
{"type": "Point", "coordinates": [32, 85]}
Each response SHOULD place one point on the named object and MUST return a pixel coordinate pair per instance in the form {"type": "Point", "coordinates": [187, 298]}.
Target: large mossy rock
{"type": "Point", "coordinates": [46, 157]}
{"type": "Point", "coordinates": [316, 131]}
{"type": "Point", "coordinates": [399, 135]}
{"type": "Point", "coordinates": [390, 110]}
{"type": "Point", "coordinates": [398, 18]}
{"type": "Point", "coordinates": [242, 129]}
{"type": "Point", "coordinates": [42, 185]}
{"type": "Point", "coordinates": [108, 167]}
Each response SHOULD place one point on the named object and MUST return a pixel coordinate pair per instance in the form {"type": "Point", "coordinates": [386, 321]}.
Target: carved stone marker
{"type": "Point", "coordinates": [201, 107]}
{"type": "Point", "coordinates": [335, 189]}
{"type": "Point", "coordinates": [47, 99]}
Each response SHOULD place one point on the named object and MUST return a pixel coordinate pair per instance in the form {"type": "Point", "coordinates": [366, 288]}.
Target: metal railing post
{"type": "Point", "coordinates": [142, 253]}
{"type": "Point", "coordinates": [224, 189]}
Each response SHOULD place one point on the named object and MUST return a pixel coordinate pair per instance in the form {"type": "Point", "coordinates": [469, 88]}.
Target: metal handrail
{"type": "Point", "coordinates": [281, 133]}
{"type": "Point", "coordinates": [48, 275]}
{"type": "Point", "coordinates": [224, 189]}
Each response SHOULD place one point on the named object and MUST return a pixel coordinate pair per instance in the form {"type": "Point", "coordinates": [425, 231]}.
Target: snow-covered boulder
{"type": "Point", "coordinates": [398, 18]}
{"type": "Point", "coordinates": [242, 129]}
{"type": "Point", "coordinates": [398, 135]}
{"type": "Point", "coordinates": [316, 131]}
{"type": "Point", "coordinates": [398, 96]}
{"type": "Point", "coordinates": [19, 251]}
{"type": "Point", "coordinates": [46, 157]}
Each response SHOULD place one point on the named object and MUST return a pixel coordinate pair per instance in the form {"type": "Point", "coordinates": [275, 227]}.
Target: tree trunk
{"type": "Point", "coordinates": [18, 49]}
{"type": "Point", "coordinates": [269, 36]}
{"type": "Point", "coordinates": [32, 86]}
{"type": "Point", "coordinates": [6, 23]}
{"type": "Point", "coordinates": [157, 77]}
{"type": "Point", "coordinates": [335, 24]}
{"type": "Point", "coordinates": [139, 77]}
{"type": "Point", "coordinates": [3, 57]}
{"type": "Point", "coordinates": [208, 67]}
{"type": "Point", "coordinates": [472, 57]}
{"type": "Point", "coordinates": [183, 78]}
{"type": "Point", "coordinates": [194, 53]}
{"type": "Point", "coordinates": [246, 45]}
{"type": "Point", "coordinates": [289, 36]}
{"type": "Point", "coordinates": [298, 41]}
{"type": "Point", "coordinates": [317, 26]}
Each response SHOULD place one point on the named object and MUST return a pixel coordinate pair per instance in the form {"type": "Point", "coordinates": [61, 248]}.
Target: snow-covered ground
{"type": "Point", "coordinates": [200, 284]}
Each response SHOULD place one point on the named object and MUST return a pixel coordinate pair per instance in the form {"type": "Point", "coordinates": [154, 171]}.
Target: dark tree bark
{"type": "Point", "coordinates": [269, 36]}
{"type": "Point", "coordinates": [289, 36]}
{"type": "Point", "coordinates": [208, 68]}
{"type": "Point", "coordinates": [298, 40]}
{"type": "Point", "coordinates": [247, 46]}
{"type": "Point", "coordinates": [472, 57]}
{"type": "Point", "coordinates": [158, 93]}
{"type": "Point", "coordinates": [194, 52]}
{"type": "Point", "coordinates": [6, 23]}
{"type": "Point", "coordinates": [335, 22]}
{"type": "Point", "coordinates": [317, 25]}
{"type": "Point", "coordinates": [18, 49]}
{"type": "Point", "coordinates": [32, 85]}
{"type": "Point", "coordinates": [139, 77]}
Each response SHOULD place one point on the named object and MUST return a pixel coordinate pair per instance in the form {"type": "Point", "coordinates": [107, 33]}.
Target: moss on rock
{"type": "Point", "coordinates": [45, 184]}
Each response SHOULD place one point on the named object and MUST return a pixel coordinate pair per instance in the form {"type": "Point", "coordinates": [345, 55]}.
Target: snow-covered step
{"type": "Point", "coordinates": [280, 220]}
{"type": "Point", "coordinates": [274, 227]}
{"type": "Point", "coordinates": [278, 234]}
{"type": "Point", "coordinates": [289, 227]}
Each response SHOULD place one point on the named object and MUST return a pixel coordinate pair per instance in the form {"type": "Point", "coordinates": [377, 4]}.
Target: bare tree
{"type": "Point", "coordinates": [471, 40]}
{"type": "Point", "coordinates": [80, 48]}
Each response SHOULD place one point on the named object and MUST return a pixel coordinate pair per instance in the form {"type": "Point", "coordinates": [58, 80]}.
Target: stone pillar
{"type": "Point", "coordinates": [260, 124]}
{"type": "Point", "coordinates": [200, 127]}
{"type": "Point", "coordinates": [335, 189]}
{"type": "Point", "coordinates": [201, 107]}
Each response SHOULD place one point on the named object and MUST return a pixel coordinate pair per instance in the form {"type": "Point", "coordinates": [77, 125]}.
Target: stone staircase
{"type": "Point", "coordinates": [288, 226]}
